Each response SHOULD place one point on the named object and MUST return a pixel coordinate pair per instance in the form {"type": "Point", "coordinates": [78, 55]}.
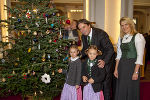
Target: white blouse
{"type": "Point", "coordinates": [139, 44]}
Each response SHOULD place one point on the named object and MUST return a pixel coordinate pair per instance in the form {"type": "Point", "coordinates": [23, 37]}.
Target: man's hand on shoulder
{"type": "Point", "coordinates": [101, 63]}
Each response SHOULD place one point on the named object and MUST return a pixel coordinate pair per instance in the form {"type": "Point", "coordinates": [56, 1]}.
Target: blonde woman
{"type": "Point", "coordinates": [130, 51]}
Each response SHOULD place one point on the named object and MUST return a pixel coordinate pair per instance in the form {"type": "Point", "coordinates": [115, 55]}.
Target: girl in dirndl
{"type": "Point", "coordinates": [92, 75]}
{"type": "Point", "coordinates": [72, 88]}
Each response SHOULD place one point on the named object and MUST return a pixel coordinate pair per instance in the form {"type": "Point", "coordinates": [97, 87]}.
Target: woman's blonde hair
{"type": "Point", "coordinates": [131, 24]}
{"type": "Point", "coordinates": [93, 47]}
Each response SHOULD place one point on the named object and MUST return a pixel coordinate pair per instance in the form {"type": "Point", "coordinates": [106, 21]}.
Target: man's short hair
{"type": "Point", "coordinates": [84, 21]}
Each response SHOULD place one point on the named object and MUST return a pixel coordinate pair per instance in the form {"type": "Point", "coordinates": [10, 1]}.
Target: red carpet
{"type": "Point", "coordinates": [18, 97]}
{"type": "Point", "coordinates": [144, 91]}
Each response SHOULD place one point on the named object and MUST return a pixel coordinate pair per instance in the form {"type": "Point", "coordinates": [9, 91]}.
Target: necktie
{"type": "Point", "coordinates": [90, 63]}
{"type": "Point", "coordinates": [89, 40]}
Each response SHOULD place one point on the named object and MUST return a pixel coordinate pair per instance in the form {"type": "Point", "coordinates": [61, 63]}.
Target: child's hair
{"type": "Point", "coordinates": [93, 47]}
{"type": "Point", "coordinates": [74, 46]}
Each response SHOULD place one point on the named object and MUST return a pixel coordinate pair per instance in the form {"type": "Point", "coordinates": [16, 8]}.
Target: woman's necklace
{"type": "Point", "coordinates": [127, 37]}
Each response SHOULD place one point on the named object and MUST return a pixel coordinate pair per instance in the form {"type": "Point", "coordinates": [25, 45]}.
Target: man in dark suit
{"type": "Point", "coordinates": [98, 37]}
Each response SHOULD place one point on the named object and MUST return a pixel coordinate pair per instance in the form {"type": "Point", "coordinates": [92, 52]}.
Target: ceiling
{"type": "Point", "coordinates": [137, 3]}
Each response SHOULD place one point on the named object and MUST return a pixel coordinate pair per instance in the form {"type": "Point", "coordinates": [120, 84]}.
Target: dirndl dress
{"type": "Point", "coordinates": [71, 93]}
{"type": "Point", "coordinates": [89, 94]}
{"type": "Point", "coordinates": [126, 88]}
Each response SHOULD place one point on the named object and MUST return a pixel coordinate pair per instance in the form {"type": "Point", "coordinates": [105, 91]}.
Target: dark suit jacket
{"type": "Point", "coordinates": [101, 39]}
{"type": "Point", "coordinates": [97, 74]}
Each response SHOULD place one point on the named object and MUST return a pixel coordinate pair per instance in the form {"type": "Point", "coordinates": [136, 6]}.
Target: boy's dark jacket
{"type": "Point", "coordinates": [97, 74]}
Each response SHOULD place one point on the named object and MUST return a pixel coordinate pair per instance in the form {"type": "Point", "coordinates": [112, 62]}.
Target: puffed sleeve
{"type": "Point", "coordinates": [140, 45]}
{"type": "Point", "coordinates": [119, 53]}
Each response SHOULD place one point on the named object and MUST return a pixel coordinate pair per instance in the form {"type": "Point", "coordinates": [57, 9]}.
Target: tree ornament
{"type": "Point", "coordinates": [35, 40]}
{"type": "Point", "coordinates": [60, 34]}
{"type": "Point", "coordinates": [50, 41]}
{"type": "Point", "coordinates": [10, 76]}
{"type": "Point", "coordinates": [46, 78]}
{"type": "Point", "coordinates": [45, 16]}
{"type": "Point", "coordinates": [50, 65]}
{"type": "Point", "coordinates": [53, 73]}
{"type": "Point", "coordinates": [55, 41]}
{"type": "Point", "coordinates": [41, 92]}
{"type": "Point", "coordinates": [39, 46]}
{"type": "Point", "coordinates": [3, 80]}
{"type": "Point", "coordinates": [3, 60]}
{"type": "Point", "coordinates": [34, 33]}
{"type": "Point", "coordinates": [48, 31]}
{"type": "Point", "coordinates": [52, 25]}
{"type": "Point", "coordinates": [25, 76]}
{"type": "Point", "coordinates": [28, 14]}
{"type": "Point", "coordinates": [28, 71]}
{"type": "Point", "coordinates": [1, 55]}
{"type": "Point", "coordinates": [9, 45]}
{"type": "Point", "coordinates": [29, 31]}
{"type": "Point", "coordinates": [19, 20]}
{"type": "Point", "coordinates": [68, 21]}
{"type": "Point", "coordinates": [48, 56]}
{"type": "Point", "coordinates": [53, 14]}
{"type": "Point", "coordinates": [43, 59]}
{"type": "Point", "coordinates": [37, 24]}
{"type": "Point", "coordinates": [33, 72]}
{"type": "Point", "coordinates": [16, 64]}
{"type": "Point", "coordinates": [66, 58]}
{"type": "Point", "coordinates": [18, 59]}
{"type": "Point", "coordinates": [35, 94]}
{"type": "Point", "coordinates": [26, 26]}
{"type": "Point", "coordinates": [13, 72]}
{"type": "Point", "coordinates": [29, 50]}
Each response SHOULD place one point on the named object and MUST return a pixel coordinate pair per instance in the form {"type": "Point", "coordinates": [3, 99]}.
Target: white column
{"type": "Point", "coordinates": [92, 10]}
{"type": "Point", "coordinates": [127, 8]}
{"type": "Point", "coordinates": [100, 13]}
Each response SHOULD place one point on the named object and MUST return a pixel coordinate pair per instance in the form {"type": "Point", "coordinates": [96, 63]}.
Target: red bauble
{"type": "Point", "coordinates": [68, 21]}
{"type": "Point", "coordinates": [55, 41]}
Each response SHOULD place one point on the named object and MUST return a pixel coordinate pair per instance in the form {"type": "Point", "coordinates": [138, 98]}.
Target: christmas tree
{"type": "Point", "coordinates": [35, 50]}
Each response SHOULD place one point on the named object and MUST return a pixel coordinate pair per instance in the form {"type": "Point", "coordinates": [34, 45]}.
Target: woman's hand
{"type": "Point", "coordinates": [116, 73]}
{"type": "Point", "coordinates": [135, 76]}
{"type": "Point", "coordinates": [84, 78]}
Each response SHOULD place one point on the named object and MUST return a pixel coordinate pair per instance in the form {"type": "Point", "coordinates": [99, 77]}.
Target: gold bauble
{"type": "Point", "coordinates": [3, 79]}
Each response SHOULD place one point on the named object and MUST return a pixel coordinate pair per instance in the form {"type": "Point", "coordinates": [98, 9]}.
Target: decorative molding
{"type": "Point", "coordinates": [68, 1]}
{"type": "Point", "coordinates": [141, 3]}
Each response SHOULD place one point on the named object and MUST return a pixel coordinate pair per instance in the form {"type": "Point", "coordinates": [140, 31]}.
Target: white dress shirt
{"type": "Point", "coordinates": [139, 44]}
{"type": "Point", "coordinates": [90, 34]}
